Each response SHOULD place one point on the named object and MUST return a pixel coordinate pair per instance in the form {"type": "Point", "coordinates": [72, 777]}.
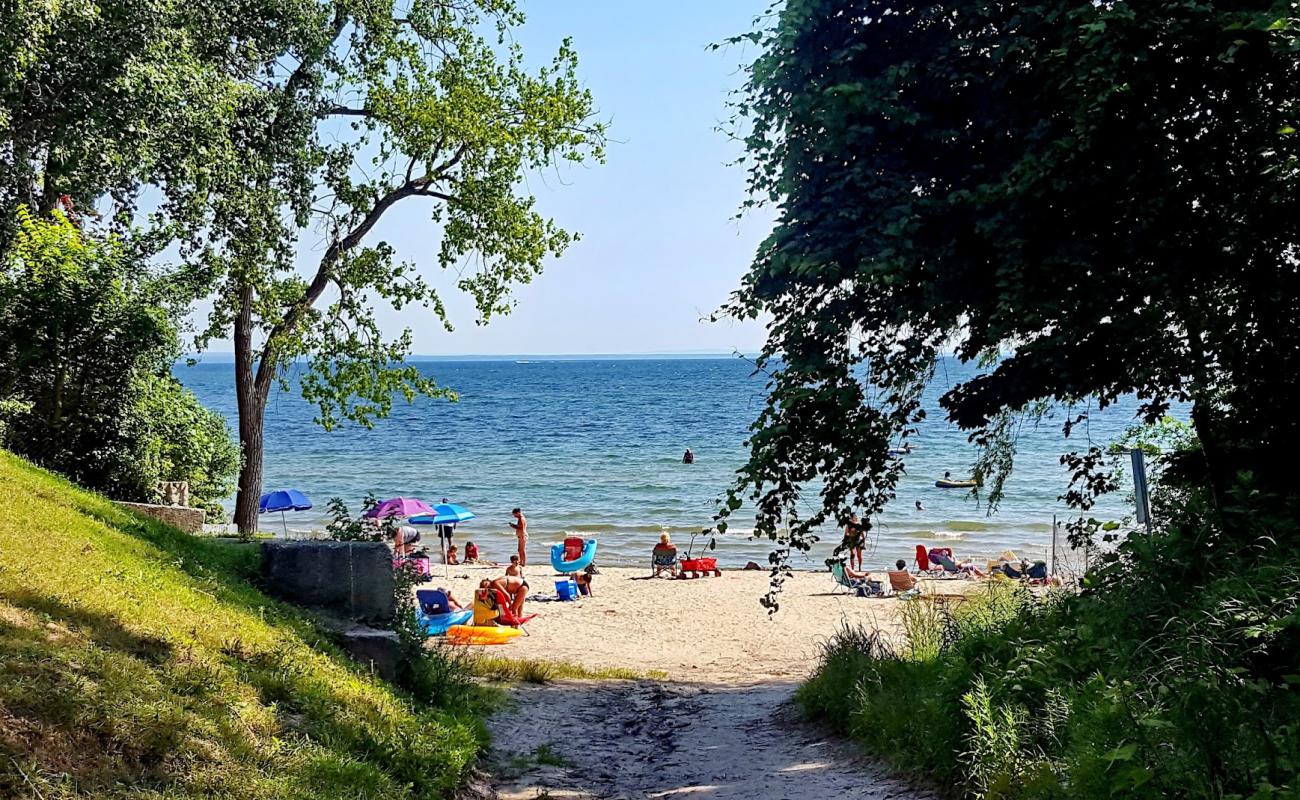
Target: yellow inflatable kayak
{"type": "Point", "coordinates": [481, 634]}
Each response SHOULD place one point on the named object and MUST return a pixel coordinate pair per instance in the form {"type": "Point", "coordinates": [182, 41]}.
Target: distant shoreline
{"type": "Point", "coordinates": [223, 357]}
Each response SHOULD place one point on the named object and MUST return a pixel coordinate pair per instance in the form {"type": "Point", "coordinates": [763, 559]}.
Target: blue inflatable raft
{"type": "Point", "coordinates": [578, 564]}
{"type": "Point", "coordinates": [437, 624]}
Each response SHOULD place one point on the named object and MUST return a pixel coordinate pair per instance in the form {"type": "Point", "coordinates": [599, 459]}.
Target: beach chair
{"type": "Point", "coordinates": [432, 601]}
{"type": "Point", "coordinates": [663, 558]}
{"type": "Point", "coordinates": [923, 563]}
{"type": "Point", "coordinates": [862, 588]}
{"type": "Point", "coordinates": [904, 583]}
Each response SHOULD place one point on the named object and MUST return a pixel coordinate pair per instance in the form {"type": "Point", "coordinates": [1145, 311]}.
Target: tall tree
{"type": "Point", "coordinates": [375, 104]}
{"type": "Point", "coordinates": [1089, 199]}
{"type": "Point", "coordinates": [109, 97]}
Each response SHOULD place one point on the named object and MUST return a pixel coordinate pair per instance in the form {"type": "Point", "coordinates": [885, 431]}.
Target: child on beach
{"type": "Point", "coordinates": [452, 556]}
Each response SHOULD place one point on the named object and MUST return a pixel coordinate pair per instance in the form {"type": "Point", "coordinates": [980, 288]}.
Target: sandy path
{"type": "Point", "coordinates": [721, 726]}
{"type": "Point", "coordinates": [652, 739]}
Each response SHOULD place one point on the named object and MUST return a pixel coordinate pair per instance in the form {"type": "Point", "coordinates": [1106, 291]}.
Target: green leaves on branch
{"type": "Point", "coordinates": [1097, 195]}
{"type": "Point", "coordinates": [87, 339]}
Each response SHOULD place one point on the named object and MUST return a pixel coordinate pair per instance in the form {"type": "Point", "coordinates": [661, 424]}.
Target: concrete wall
{"type": "Point", "coordinates": [351, 578]}
{"type": "Point", "coordinates": [189, 520]}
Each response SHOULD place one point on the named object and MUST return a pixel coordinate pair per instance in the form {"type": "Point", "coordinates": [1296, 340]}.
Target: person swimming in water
{"type": "Point", "coordinates": [688, 457]}
{"type": "Point", "coordinates": [919, 507]}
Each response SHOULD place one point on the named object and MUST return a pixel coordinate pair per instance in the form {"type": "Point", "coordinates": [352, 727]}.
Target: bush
{"type": "Point", "coordinates": [88, 335]}
{"type": "Point", "coordinates": [1165, 677]}
{"type": "Point", "coordinates": [173, 437]}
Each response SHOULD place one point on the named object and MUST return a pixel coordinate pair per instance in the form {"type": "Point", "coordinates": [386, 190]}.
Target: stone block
{"type": "Point", "coordinates": [351, 578]}
{"type": "Point", "coordinates": [189, 520]}
{"type": "Point", "coordinates": [379, 650]}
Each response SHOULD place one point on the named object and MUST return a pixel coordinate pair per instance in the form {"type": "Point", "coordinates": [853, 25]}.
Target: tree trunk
{"type": "Point", "coordinates": [251, 398]}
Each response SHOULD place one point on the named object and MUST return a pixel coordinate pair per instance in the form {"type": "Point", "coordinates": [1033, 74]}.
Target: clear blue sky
{"type": "Point", "coordinates": [660, 246]}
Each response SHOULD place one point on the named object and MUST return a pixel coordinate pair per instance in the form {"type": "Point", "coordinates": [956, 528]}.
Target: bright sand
{"type": "Point", "coordinates": [704, 629]}
{"type": "Point", "coordinates": [720, 726]}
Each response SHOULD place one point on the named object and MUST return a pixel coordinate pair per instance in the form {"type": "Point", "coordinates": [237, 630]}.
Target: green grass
{"type": "Point", "coordinates": [137, 661]}
{"type": "Point", "coordinates": [532, 670]}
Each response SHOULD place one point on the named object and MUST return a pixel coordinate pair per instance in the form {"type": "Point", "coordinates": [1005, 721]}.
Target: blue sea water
{"type": "Point", "coordinates": [595, 445]}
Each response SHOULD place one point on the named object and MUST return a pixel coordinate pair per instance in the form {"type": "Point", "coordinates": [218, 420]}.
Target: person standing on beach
{"type": "Point", "coordinates": [521, 533]}
{"type": "Point", "coordinates": [445, 531]}
{"type": "Point", "coordinates": [855, 538]}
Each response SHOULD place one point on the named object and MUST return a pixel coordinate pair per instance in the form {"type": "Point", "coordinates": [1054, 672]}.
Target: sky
{"type": "Point", "coordinates": [661, 246]}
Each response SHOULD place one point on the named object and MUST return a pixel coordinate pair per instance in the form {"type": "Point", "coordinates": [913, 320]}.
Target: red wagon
{"type": "Point", "coordinates": [695, 567]}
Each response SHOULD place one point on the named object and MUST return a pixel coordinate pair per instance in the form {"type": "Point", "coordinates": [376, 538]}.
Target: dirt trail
{"type": "Point", "coordinates": [651, 739]}
{"type": "Point", "coordinates": [721, 726]}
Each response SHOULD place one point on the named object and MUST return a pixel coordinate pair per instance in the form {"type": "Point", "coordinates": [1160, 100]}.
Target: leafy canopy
{"type": "Point", "coordinates": [1089, 199]}
{"type": "Point", "coordinates": [377, 103]}
{"type": "Point", "coordinates": [87, 339]}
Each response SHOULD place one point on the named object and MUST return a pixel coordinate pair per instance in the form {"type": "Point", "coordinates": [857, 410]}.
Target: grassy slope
{"type": "Point", "coordinates": [136, 661]}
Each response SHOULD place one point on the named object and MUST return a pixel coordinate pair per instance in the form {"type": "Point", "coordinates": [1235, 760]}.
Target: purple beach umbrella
{"type": "Point", "coordinates": [398, 507]}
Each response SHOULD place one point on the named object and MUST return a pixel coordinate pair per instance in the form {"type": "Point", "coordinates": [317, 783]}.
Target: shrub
{"type": "Point", "coordinates": [1161, 679]}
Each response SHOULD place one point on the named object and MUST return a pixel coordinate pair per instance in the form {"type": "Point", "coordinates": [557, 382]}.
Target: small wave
{"type": "Point", "coordinates": [970, 525]}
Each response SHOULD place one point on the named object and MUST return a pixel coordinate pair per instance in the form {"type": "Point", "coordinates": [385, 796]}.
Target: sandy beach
{"type": "Point", "coordinates": [720, 725]}
{"type": "Point", "coordinates": [703, 630]}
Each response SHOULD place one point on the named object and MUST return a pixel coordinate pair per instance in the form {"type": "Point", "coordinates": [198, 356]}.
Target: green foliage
{"type": "Point", "coordinates": [375, 105]}
{"type": "Point", "coordinates": [87, 338]}
{"type": "Point", "coordinates": [148, 666]}
{"type": "Point", "coordinates": [344, 527]}
{"type": "Point", "coordinates": [106, 97]}
{"type": "Point", "coordinates": [1172, 675]}
{"type": "Point", "coordinates": [1087, 200]}
{"type": "Point", "coordinates": [175, 438]}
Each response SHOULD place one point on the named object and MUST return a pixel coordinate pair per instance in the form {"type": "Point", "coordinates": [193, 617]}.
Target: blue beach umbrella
{"type": "Point", "coordinates": [444, 514]}
{"type": "Point", "coordinates": [283, 500]}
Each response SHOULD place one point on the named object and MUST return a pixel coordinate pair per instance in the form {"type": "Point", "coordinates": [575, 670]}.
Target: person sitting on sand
{"type": "Point", "coordinates": [863, 579]}
{"type": "Point", "coordinates": [514, 570]}
{"type": "Point", "coordinates": [664, 556]}
{"type": "Point", "coordinates": [452, 556]}
{"type": "Point", "coordinates": [485, 604]}
{"type": "Point", "coordinates": [452, 603]}
{"type": "Point", "coordinates": [944, 557]}
{"type": "Point", "coordinates": [471, 553]}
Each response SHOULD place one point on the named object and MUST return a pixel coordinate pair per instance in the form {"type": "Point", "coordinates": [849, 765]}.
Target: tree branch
{"type": "Point", "coordinates": [324, 271]}
{"type": "Point", "coordinates": [344, 111]}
